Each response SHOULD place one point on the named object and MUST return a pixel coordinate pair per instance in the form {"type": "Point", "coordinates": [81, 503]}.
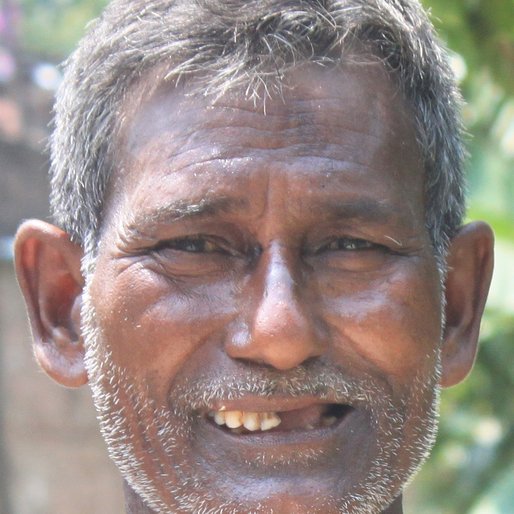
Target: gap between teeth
{"type": "Point", "coordinates": [253, 421]}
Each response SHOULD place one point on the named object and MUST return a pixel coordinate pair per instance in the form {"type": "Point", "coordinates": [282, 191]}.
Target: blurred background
{"type": "Point", "coordinates": [52, 460]}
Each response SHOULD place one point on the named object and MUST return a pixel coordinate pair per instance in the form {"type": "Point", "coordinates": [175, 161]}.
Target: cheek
{"type": "Point", "coordinates": [391, 326]}
{"type": "Point", "coordinates": [152, 326]}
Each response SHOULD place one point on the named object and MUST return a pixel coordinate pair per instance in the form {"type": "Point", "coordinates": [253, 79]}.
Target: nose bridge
{"type": "Point", "coordinates": [282, 330]}
{"type": "Point", "coordinates": [279, 304]}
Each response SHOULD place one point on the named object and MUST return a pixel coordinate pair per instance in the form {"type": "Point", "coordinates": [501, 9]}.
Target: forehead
{"type": "Point", "coordinates": [324, 123]}
{"type": "Point", "coordinates": [304, 94]}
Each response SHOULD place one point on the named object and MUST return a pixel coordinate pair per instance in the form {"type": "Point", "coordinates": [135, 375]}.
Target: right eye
{"type": "Point", "coordinates": [194, 244]}
{"type": "Point", "coordinates": [196, 256]}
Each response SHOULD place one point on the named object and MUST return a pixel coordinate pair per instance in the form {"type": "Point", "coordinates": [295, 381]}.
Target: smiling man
{"type": "Point", "coordinates": [258, 263]}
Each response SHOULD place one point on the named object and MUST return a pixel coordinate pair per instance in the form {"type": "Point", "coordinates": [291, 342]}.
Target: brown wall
{"type": "Point", "coordinates": [52, 459]}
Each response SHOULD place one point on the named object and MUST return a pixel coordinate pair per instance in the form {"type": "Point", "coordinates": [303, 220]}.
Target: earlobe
{"type": "Point", "coordinates": [48, 269]}
{"type": "Point", "coordinates": [470, 266]}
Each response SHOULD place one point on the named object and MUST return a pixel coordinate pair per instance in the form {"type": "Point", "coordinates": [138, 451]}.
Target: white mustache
{"type": "Point", "coordinates": [323, 382]}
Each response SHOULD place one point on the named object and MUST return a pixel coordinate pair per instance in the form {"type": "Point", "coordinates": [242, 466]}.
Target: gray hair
{"type": "Point", "coordinates": [247, 44]}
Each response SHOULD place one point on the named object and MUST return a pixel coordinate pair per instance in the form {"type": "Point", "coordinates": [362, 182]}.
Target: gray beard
{"type": "Point", "coordinates": [147, 425]}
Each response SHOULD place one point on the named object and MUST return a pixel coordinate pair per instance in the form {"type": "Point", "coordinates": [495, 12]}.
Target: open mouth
{"type": "Point", "coordinates": [307, 418]}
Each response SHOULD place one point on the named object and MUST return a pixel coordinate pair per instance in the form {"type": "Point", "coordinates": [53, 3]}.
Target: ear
{"type": "Point", "coordinates": [470, 268]}
{"type": "Point", "coordinates": [48, 269]}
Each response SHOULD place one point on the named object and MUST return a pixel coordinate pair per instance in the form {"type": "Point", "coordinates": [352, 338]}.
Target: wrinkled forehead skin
{"type": "Point", "coordinates": [274, 94]}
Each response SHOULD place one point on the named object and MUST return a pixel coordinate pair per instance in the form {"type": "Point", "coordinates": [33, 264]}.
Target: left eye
{"type": "Point", "coordinates": [349, 254]}
{"type": "Point", "coordinates": [348, 244]}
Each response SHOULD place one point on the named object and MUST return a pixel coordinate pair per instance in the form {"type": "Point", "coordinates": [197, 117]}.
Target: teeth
{"type": "Point", "coordinates": [238, 420]}
{"type": "Point", "coordinates": [219, 418]}
{"type": "Point", "coordinates": [252, 421]}
{"type": "Point", "coordinates": [269, 420]}
{"type": "Point", "coordinates": [328, 421]}
{"type": "Point", "coordinates": [233, 418]}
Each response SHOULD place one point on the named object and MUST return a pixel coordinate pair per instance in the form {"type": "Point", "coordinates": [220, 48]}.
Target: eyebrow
{"type": "Point", "coordinates": [361, 208]}
{"type": "Point", "coordinates": [185, 210]}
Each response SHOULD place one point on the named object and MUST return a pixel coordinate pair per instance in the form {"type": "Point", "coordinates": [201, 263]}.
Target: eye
{"type": "Point", "coordinates": [194, 244]}
{"type": "Point", "coordinates": [197, 244]}
{"type": "Point", "coordinates": [346, 244]}
{"type": "Point", "coordinates": [196, 256]}
{"type": "Point", "coordinates": [349, 254]}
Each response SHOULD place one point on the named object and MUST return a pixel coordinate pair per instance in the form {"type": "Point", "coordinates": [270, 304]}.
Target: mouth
{"type": "Point", "coordinates": [303, 419]}
{"type": "Point", "coordinates": [279, 433]}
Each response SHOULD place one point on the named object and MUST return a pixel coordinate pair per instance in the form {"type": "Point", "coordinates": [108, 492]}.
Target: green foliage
{"type": "Point", "coordinates": [471, 470]}
{"type": "Point", "coordinates": [480, 30]}
{"type": "Point", "coordinates": [51, 28]}
{"type": "Point", "coordinates": [475, 449]}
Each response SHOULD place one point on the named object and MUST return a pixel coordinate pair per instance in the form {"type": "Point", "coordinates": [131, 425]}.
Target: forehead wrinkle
{"type": "Point", "coordinates": [303, 140]}
{"type": "Point", "coordinates": [294, 122]}
{"type": "Point", "coordinates": [324, 164]}
{"type": "Point", "coordinates": [300, 128]}
{"type": "Point", "coordinates": [292, 114]}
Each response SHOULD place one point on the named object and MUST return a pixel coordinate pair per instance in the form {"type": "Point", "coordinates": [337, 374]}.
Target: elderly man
{"type": "Point", "coordinates": [258, 263]}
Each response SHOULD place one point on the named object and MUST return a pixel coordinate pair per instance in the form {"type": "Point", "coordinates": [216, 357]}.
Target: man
{"type": "Point", "coordinates": [258, 262]}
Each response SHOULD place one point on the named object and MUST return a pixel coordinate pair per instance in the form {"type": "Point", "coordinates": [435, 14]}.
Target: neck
{"type": "Point", "coordinates": [134, 504]}
{"type": "Point", "coordinates": [395, 507]}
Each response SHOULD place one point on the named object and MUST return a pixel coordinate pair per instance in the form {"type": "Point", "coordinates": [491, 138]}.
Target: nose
{"type": "Point", "coordinates": [281, 328]}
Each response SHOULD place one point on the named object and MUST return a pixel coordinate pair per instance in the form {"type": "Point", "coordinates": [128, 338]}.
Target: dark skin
{"type": "Point", "coordinates": [305, 249]}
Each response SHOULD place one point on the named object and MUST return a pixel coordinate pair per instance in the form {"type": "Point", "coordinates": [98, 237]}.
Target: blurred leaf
{"type": "Point", "coordinates": [51, 28]}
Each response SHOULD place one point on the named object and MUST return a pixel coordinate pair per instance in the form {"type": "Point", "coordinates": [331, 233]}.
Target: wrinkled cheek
{"type": "Point", "coordinates": [392, 329]}
{"type": "Point", "coordinates": [152, 327]}
{"type": "Point", "coordinates": [403, 341]}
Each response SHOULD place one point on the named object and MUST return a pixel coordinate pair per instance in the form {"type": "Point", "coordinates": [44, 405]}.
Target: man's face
{"type": "Point", "coordinates": [262, 266]}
